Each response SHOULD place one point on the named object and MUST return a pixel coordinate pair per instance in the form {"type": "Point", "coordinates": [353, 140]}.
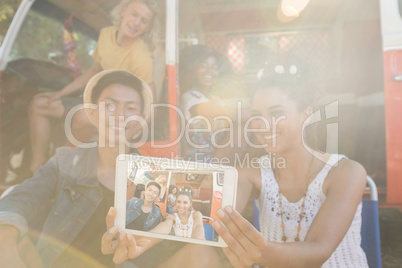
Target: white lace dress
{"type": "Point", "coordinates": [348, 254]}
{"type": "Point", "coordinates": [181, 229]}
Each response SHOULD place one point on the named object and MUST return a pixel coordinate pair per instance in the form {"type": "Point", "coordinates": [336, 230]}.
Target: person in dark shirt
{"type": "Point", "coordinates": [74, 190]}
{"type": "Point", "coordinates": [144, 214]}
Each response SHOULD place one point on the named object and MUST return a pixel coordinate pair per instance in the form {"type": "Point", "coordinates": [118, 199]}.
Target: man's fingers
{"type": "Point", "coordinates": [111, 248]}
{"type": "Point", "coordinates": [143, 244]}
{"type": "Point", "coordinates": [132, 246]}
{"type": "Point", "coordinates": [110, 217]}
{"type": "Point", "coordinates": [108, 246]}
{"type": "Point", "coordinates": [121, 253]}
{"type": "Point", "coordinates": [246, 227]}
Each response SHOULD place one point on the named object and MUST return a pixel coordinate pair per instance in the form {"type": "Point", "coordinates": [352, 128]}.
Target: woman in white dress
{"type": "Point", "coordinates": [186, 222]}
{"type": "Point", "coordinates": [310, 203]}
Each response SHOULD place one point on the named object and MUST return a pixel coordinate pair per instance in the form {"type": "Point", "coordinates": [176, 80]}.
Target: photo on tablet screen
{"type": "Point", "coordinates": [175, 202]}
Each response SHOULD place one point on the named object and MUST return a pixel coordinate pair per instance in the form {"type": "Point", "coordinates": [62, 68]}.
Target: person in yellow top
{"type": "Point", "coordinates": [127, 45]}
{"type": "Point", "coordinates": [135, 57]}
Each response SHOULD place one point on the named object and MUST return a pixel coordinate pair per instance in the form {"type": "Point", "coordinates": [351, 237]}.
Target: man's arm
{"type": "Point", "coordinates": [8, 247]}
{"type": "Point", "coordinates": [30, 199]}
{"type": "Point", "coordinates": [79, 82]}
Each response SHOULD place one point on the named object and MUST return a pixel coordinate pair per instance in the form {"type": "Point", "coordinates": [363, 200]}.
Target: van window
{"type": "Point", "coordinates": [45, 35]}
{"type": "Point", "coordinates": [7, 12]}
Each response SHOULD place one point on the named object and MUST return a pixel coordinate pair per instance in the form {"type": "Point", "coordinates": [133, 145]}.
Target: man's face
{"type": "Point", "coordinates": [121, 114]}
{"type": "Point", "coordinates": [151, 193]}
{"type": "Point", "coordinates": [136, 19]}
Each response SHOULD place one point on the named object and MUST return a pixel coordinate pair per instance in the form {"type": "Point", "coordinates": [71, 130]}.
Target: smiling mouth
{"type": "Point", "coordinates": [132, 30]}
{"type": "Point", "coordinates": [117, 129]}
{"type": "Point", "coordinates": [209, 77]}
{"type": "Point", "coordinates": [271, 137]}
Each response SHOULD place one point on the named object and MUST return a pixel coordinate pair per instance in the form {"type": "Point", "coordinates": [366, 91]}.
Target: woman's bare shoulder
{"type": "Point", "coordinates": [347, 174]}
{"type": "Point", "coordinates": [197, 215]}
{"type": "Point", "coordinates": [252, 174]}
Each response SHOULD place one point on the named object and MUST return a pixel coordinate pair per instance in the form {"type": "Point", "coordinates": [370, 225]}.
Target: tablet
{"type": "Point", "coordinates": [172, 199]}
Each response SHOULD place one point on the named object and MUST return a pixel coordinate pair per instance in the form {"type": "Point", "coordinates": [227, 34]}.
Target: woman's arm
{"type": "Point", "coordinates": [250, 184]}
{"type": "Point", "coordinates": [164, 227]}
{"type": "Point", "coordinates": [198, 227]}
{"type": "Point", "coordinates": [247, 246]}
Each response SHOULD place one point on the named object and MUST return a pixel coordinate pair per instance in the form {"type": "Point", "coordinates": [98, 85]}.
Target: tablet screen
{"type": "Point", "coordinates": [172, 199]}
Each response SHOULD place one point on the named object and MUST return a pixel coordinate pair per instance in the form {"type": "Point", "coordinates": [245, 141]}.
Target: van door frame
{"type": "Point", "coordinates": [391, 28]}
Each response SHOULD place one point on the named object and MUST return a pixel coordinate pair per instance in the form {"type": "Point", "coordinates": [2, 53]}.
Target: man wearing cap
{"type": "Point", "coordinates": [74, 190]}
{"type": "Point", "coordinates": [144, 214]}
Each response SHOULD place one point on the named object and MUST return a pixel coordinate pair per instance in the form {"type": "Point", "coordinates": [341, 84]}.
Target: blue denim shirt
{"type": "Point", "coordinates": [64, 192]}
{"type": "Point", "coordinates": [133, 210]}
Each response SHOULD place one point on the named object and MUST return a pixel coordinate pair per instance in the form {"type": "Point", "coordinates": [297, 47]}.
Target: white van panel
{"type": "Point", "coordinates": [391, 24]}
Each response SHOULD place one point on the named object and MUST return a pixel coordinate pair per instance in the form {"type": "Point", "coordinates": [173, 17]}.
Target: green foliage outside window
{"type": "Point", "coordinates": [41, 37]}
{"type": "Point", "coordinates": [7, 12]}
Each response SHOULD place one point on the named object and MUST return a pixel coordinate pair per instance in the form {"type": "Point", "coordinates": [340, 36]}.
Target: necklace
{"type": "Point", "coordinates": [146, 209]}
{"type": "Point", "coordinates": [184, 227]}
{"type": "Point", "coordinates": [276, 174]}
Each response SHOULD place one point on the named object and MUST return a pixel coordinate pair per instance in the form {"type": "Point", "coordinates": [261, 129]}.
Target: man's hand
{"type": "Point", "coordinates": [123, 246]}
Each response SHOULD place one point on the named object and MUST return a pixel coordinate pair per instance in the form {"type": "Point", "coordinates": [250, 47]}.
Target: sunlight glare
{"type": "Point", "coordinates": [293, 8]}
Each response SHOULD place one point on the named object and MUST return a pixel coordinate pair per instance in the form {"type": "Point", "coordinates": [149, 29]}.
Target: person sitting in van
{"type": "Point", "coordinates": [201, 68]}
{"type": "Point", "coordinates": [144, 214]}
{"type": "Point", "coordinates": [171, 201]}
{"type": "Point", "coordinates": [310, 202]}
{"type": "Point", "coordinates": [139, 191]}
{"type": "Point", "coordinates": [127, 45]}
{"type": "Point", "coordinates": [162, 180]}
{"type": "Point", "coordinates": [74, 190]}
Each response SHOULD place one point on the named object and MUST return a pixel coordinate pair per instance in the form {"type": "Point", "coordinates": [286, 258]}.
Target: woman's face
{"type": "Point", "coordinates": [279, 119]}
{"type": "Point", "coordinates": [208, 72]}
{"type": "Point", "coordinates": [115, 105]}
{"type": "Point", "coordinates": [136, 19]}
{"type": "Point", "coordinates": [174, 191]}
{"type": "Point", "coordinates": [151, 193]}
{"type": "Point", "coordinates": [183, 204]}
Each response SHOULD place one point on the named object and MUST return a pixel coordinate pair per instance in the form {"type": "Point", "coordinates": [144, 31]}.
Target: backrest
{"type": "Point", "coordinates": [209, 232]}
{"type": "Point", "coordinates": [256, 216]}
{"type": "Point", "coordinates": [370, 230]}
